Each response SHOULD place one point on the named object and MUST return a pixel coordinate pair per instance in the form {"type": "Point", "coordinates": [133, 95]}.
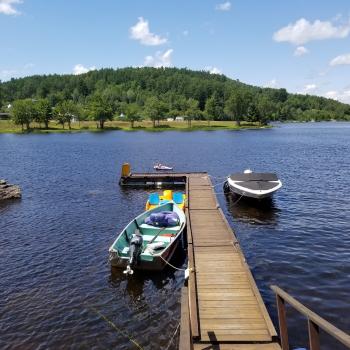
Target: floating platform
{"type": "Point", "coordinates": [154, 180]}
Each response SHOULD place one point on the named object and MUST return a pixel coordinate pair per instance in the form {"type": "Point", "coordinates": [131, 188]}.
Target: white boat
{"type": "Point", "coordinates": [160, 166]}
{"type": "Point", "coordinates": [253, 185]}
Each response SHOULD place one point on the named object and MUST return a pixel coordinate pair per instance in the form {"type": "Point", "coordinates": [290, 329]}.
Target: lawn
{"type": "Point", "coordinates": [7, 126]}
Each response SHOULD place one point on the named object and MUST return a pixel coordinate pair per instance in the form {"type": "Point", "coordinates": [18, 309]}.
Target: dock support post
{"type": "Point", "coordinates": [185, 342]}
{"type": "Point", "coordinates": [282, 322]}
{"type": "Point", "coordinates": [314, 335]}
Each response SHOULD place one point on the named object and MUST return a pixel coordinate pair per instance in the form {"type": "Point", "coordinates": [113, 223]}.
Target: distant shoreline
{"type": "Point", "coordinates": [8, 127]}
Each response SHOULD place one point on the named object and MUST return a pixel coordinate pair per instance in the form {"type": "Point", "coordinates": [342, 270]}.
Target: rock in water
{"type": "Point", "coordinates": [8, 191]}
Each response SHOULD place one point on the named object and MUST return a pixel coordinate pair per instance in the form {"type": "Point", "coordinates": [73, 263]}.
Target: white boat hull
{"type": "Point", "coordinates": [253, 188]}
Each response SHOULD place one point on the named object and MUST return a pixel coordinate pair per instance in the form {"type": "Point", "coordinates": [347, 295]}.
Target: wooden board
{"type": "Point", "coordinates": [207, 346]}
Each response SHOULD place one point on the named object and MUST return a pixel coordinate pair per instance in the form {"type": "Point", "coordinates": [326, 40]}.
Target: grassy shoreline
{"type": "Point", "coordinates": [8, 127]}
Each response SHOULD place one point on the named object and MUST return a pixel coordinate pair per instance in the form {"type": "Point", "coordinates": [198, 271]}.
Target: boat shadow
{"type": "Point", "coordinates": [252, 211]}
{"type": "Point", "coordinates": [136, 284]}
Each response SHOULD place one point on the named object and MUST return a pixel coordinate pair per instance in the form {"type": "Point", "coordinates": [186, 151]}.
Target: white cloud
{"type": "Point", "coordinates": [225, 6]}
{"type": "Point", "coordinates": [213, 70]}
{"type": "Point", "coordinates": [340, 60]}
{"type": "Point", "coordinates": [140, 31]}
{"type": "Point", "coordinates": [7, 74]}
{"type": "Point", "coordinates": [331, 94]}
{"type": "Point", "coordinates": [29, 65]}
{"type": "Point", "coordinates": [159, 59]}
{"type": "Point", "coordinates": [271, 84]}
{"type": "Point", "coordinates": [310, 87]}
{"type": "Point", "coordinates": [7, 7]}
{"type": "Point", "coordinates": [342, 96]}
{"type": "Point", "coordinates": [303, 31]}
{"type": "Point", "coordinates": [80, 69]}
{"type": "Point", "coordinates": [300, 51]}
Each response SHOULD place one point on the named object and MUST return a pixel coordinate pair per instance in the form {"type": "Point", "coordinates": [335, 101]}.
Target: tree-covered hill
{"type": "Point", "coordinates": [167, 92]}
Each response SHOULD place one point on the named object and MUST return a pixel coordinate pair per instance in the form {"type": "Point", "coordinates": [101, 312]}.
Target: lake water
{"type": "Point", "coordinates": [54, 273]}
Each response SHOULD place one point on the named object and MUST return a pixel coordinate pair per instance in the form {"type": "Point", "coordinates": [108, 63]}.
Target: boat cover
{"type": "Point", "coordinates": [258, 185]}
{"type": "Point", "coordinates": [163, 219]}
{"type": "Point", "coordinates": [254, 177]}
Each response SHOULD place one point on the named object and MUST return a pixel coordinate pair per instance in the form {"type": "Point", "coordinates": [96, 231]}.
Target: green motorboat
{"type": "Point", "coordinates": [148, 242]}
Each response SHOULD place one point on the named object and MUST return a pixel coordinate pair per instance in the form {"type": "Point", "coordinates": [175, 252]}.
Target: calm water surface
{"type": "Point", "coordinates": [54, 273]}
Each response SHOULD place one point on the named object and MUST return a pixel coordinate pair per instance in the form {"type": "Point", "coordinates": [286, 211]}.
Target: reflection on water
{"type": "Point", "coordinates": [134, 284]}
{"type": "Point", "coordinates": [54, 241]}
{"type": "Point", "coordinates": [252, 211]}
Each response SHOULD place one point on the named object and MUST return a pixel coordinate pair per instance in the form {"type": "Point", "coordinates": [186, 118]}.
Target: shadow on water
{"type": "Point", "coordinates": [9, 204]}
{"type": "Point", "coordinates": [135, 284]}
{"type": "Point", "coordinates": [249, 210]}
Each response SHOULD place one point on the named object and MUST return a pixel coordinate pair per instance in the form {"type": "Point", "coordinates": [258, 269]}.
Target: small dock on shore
{"type": "Point", "coordinates": [221, 306]}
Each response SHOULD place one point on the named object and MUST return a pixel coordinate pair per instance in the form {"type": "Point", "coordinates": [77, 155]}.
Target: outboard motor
{"type": "Point", "coordinates": [134, 251]}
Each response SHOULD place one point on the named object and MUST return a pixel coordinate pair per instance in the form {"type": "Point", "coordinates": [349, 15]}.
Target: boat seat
{"type": "Point", "coordinates": [159, 238]}
{"type": "Point", "coordinates": [178, 197]}
{"type": "Point", "coordinates": [144, 228]}
{"type": "Point", "coordinates": [154, 199]}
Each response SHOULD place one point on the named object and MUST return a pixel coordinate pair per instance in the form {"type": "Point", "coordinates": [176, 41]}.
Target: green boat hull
{"type": "Point", "coordinates": [149, 259]}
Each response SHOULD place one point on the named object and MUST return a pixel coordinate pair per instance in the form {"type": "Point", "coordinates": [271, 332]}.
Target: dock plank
{"type": "Point", "coordinates": [225, 346]}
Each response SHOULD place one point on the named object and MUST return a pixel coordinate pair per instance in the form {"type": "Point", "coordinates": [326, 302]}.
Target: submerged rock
{"type": "Point", "coordinates": [8, 191]}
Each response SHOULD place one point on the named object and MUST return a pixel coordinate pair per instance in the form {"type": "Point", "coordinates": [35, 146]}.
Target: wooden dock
{"type": "Point", "coordinates": [225, 307]}
{"type": "Point", "coordinates": [221, 305]}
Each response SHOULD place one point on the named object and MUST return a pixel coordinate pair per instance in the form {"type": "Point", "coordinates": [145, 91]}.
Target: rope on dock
{"type": "Point", "coordinates": [113, 325]}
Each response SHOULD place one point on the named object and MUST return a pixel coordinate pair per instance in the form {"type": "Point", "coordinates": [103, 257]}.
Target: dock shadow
{"type": "Point", "coordinates": [214, 342]}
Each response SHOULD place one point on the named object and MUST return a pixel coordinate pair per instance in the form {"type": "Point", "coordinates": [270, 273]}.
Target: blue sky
{"type": "Point", "coordinates": [301, 45]}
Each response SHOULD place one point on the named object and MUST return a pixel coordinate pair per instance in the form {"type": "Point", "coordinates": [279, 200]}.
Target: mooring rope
{"type": "Point", "coordinates": [113, 325]}
{"type": "Point", "coordinates": [220, 183]}
{"type": "Point", "coordinates": [172, 337]}
{"type": "Point", "coordinates": [174, 267]}
{"type": "Point", "coordinates": [238, 199]}
{"type": "Point", "coordinates": [218, 177]}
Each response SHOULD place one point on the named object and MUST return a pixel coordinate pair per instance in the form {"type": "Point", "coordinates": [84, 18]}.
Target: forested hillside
{"type": "Point", "coordinates": [157, 94]}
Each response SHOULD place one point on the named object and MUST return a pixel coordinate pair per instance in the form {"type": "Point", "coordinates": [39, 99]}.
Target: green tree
{"type": "Point", "coordinates": [100, 109]}
{"type": "Point", "coordinates": [214, 108]}
{"type": "Point", "coordinates": [65, 111]}
{"type": "Point", "coordinates": [155, 110]}
{"type": "Point", "coordinates": [43, 112]}
{"type": "Point", "coordinates": [265, 109]}
{"type": "Point", "coordinates": [192, 110]}
{"type": "Point", "coordinates": [132, 112]}
{"type": "Point", "coordinates": [209, 110]}
{"type": "Point", "coordinates": [23, 112]}
{"type": "Point", "coordinates": [1, 95]}
{"type": "Point", "coordinates": [252, 113]}
{"type": "Point", "coordinates": [236, 107]}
